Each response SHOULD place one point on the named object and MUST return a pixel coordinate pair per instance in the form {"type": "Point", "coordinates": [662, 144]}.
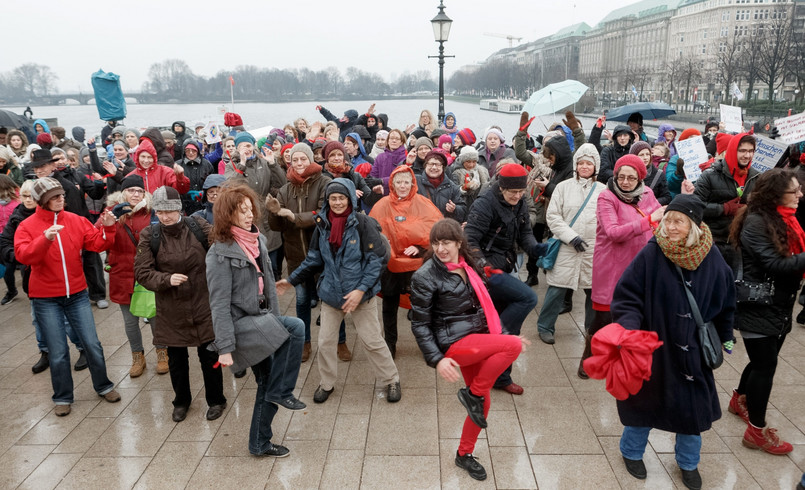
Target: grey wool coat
{"type": "Point", "coordinates": [241, 327]}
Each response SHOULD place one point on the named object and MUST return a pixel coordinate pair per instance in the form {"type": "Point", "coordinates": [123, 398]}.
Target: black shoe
{"type": "Point", "coordinates": [393, 392]}
{"type": "Point", "coordinates": [293, 403]}
{"type": "Point", "coordinates": [42, 364]}
{"type": "Point", "coordinates": [318, 321]}
{"type": "Point", "coordinates": [9, 297]}
{"type": "Point", "coordinates": [213, 412]}
{"type": "Point", "coordinates": [636, 468]}
{"type": "Point", "coordinates": [474, 405]}
{"type": "Point", "coordinates": [692, 479]}
{"type": "Point", "coordinates": [800, 316]}
{"type": "Point", "coordinates": [275, 450]}
{"type": "Point", "coordinates": [179, 413]}
{"type": "Point", "coordinates": [533, 279]}
{"type": "Point", "coordinates": [240, 374]}
{"type": "Point", "coordinates": [322, 395]}
{"type": "Point", "coordinates": [473, 467]}
{"type": "Point", "coordinates": [81, 363]}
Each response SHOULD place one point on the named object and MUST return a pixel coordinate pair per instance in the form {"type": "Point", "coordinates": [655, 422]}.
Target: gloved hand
{"type": "Point", "coordinates": [525, 122]}
{"type": "Point", "coordinates": [538, 250]}
{"type": "Point", "coordinates": [121, 209]}
{"type": "Point", "coordinates": [272, 204]}
{"type": "Point", "coordinates": [91, 144]}
{"type": "Point", "coordinates": [774, 133]}
{"type": "Point", "coordinates": [731, 207]}
{"type": "Point", "coordinates": [571, 121]}
{"type": "Point", "coordinates": [728, 345]}
{"type": "Point", "coordinates": [579, 244]}
{"type": "Point", "coordinates": [194, 195]}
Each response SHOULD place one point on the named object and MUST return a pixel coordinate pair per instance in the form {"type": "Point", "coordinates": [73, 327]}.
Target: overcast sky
{"type": "Point", "coordinates": [385, 37]}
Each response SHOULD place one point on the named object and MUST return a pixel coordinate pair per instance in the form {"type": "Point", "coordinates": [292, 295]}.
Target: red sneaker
{"type": "Point", "coordinates": [738, 406]}
{"type": "Point", "coordinates": [766, 439]}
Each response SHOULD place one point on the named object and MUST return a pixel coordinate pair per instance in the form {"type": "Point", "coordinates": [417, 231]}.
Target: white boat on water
{"type": "Point", "coordinates": [508, 106]}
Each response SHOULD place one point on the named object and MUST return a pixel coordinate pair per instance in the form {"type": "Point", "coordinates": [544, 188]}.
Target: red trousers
{"type": "Point", "coordinates": [482, 358]}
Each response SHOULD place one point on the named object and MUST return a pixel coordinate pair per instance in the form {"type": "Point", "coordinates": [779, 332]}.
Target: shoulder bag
{"type": "Point", "coordinates": [548, 260]}
{"type": "Point", "coordinates": [752, 293]}
{"type": "Point", "coordinates": [709, 342]}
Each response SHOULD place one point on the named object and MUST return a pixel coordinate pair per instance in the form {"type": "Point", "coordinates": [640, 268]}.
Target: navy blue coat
{"type": "Point", "coordinates": [681, 395]}
{"type": "Point", "coordinates": [346, 269]}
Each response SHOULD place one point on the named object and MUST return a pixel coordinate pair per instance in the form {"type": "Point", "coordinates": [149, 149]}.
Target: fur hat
{"type": "Point", "coordinates": [468, 153]}
{"type": "Point", "coordinates": [633, 161]}
{"type": "Point", "coordinates": [46, 188]}
{"type": "Point", "coordinates": [166, 198]}
{"type": "Point", "coordinates": [512, 176]}
{"type": "Point", "coordinates": [690, 205]}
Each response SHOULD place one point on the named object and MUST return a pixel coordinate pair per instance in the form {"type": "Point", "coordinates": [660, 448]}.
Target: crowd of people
{"type": "Point", "coordinates": [432, 218]}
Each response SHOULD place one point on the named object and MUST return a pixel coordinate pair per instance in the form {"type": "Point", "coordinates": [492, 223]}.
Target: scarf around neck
{"type": "Point", "coordinates": [296, 179]}
{"type": "Point", "coordinates": [796, 236]}
{"type": "Point", "coordinates": [338, 223]}
{"type": "Point", "coordinates": [684, 257]}
{"type": "Point", "coordinates": [492, 318]}
{"type": "Point", "coordinates": [250, 244]}
{"type": "Point", "coordinates": [629, 197]}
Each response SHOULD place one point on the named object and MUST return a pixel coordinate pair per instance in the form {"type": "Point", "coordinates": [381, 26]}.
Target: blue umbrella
{"type": "Point", "coordinates": [553, 97]}
{"type": "Point", "coordinates": [649, 110]}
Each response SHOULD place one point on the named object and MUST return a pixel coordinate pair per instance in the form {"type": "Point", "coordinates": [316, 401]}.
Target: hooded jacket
{"type": "Point", "coordinates": [405, 222]}
{"type": "Point", "coordinates": [196, 171]}
{"type": "Point", "coordinates": [181, 137]}
{"type": "Point", "coordinates": [661, 137]}
{"type": "Point", "coordinates": [343, 126]}
{"type": "Point", "coordinates": [450, 131]}
{"type": "Point", "coordinates": [610, 154]}
{"type": "Point", "coordinates": [157, 175]}
{"type": "Point", "coordinates": [362, 156]}
{"type": "Point", "coordinates": [155, 137]}
{"type": "Point", "coordinates": [56, 266]}
{"type": "Point", "coordinates": [43, 124]}
{"type": "Point", "coordinates": [490, 160]}
{"type": "Point", "coordinates": [562, 168]}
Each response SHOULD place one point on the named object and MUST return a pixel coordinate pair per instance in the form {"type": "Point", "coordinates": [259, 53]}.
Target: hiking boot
{"type": "Point", "coordinates": [137, 364]}
{"type": "Point", "coordinates": [9, 297]}
{"type": "Point", "coordinates": [473, 467]}
{"type": "Point", "coordinates": [275, 450]}
{"type": "Point", "coordinates": [393, 392]}
{"type": "Point", "coordinates": [635, 467]}
{"type": "Point", "coordinates": [112, 397]}
{"type": "Point", "coordinates": [42, 364]}
{"type": "Point", "coordinates": [306, 352]}
{"type": "Point", "coordinates": [474, 405]}
{"type": "Point", "coordinates": [81, 363]}
{"type": "Point", "coordinates": [765, 438]}
{"type": "Point", "coordinates": [62, 410]}
{"type": "Point", "coordinates": [343, 352]}
{"type": "Point", "coordinates": [692, 479]}
{"type": "Point", "coordinates": [162, 361]}
{"type": "Point", "coordinates": [738, 406]}
{"type": "Point", "coordinates": [322, 395]}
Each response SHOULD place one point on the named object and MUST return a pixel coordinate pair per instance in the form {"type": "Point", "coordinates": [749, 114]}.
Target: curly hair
{"type": "Point", "coordinates": [767, 194]}
{"type": "Point", "coordinates": [227, 205]}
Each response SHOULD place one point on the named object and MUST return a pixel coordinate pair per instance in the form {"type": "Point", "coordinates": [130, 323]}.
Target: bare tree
{"type": "Point", "coordinates": [776, 46]}
{"type": "Point", "coordinates": [35, 79]}
{"type": "Point", "coordinates": [728, 63]}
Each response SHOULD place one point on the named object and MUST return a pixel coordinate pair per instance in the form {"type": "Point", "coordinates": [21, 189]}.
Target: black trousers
{"type": "Point", "coordinates": [93, 272]}
{"type": "Point", "coordinates": [392, 285]}
{"type": "Point", "coordinates": [180, 376]}
{"type": "Point", "coordinates": [758, 376]}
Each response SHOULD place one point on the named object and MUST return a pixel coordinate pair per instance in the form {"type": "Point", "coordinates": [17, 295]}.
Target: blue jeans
{"type": "Point", "coordinates": [286, 360]}
{"type": "Point", "coordinates": [50, 313]}
{"type": "Point", "coordinates": [552, 304]}
{"type": "Point", "coordinates": [687, 449]}
{"type": "Point", "coordinates": [40, 340]}
{"type": "Point", "coordinates": [264, 411]}
{"type": "Point", "coordinates": [514, 300]}
{"type": "Point", "coordinates": [305, 292]}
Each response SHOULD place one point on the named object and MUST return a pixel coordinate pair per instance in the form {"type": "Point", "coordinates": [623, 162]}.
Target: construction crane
{"type": "Point", "coordinates": [510, 37]}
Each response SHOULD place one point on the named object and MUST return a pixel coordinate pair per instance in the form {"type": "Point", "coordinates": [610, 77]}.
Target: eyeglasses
{"type": "Point", "coordinates": [132, 190]}
{"type": "Point", "coordinates": [433, 164]}
{"type": "Point", "coordinates": [627, 178]}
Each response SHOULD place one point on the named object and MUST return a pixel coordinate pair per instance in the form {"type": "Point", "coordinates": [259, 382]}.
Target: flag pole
{"type": "Point", "coordinates": [232, 91]}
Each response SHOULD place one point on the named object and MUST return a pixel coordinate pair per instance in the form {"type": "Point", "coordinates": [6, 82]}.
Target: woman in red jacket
{"type": "Point", "coordinates": [155, 175]}
{"type": "Point", "coordinates": [51, 242]}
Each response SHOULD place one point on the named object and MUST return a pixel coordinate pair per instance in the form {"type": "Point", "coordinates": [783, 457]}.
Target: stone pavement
{"type": "Point", "coordinates": [562, 433]}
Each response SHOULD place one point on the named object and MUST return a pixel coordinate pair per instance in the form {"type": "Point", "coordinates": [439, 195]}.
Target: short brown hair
{"type": "Point", "coordinates": [225, 207]}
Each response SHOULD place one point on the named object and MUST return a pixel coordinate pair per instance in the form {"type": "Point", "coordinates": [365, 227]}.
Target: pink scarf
{"type": "Point", "coordinates": [492, 318]}
{"type": "Point", "coordinates": [250, 244]}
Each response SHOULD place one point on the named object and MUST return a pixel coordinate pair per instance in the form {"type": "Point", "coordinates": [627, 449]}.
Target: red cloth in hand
{"type": "Point", "coordinates": [488, 270]}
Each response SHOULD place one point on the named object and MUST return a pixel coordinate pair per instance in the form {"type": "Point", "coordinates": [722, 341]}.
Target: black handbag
{"type": "Point", "coordinates": [752, 293]}
{"type": "Point", "coordinates": [709, 341]}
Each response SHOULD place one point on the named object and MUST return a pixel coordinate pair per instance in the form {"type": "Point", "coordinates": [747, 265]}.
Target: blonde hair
{"type": "Point", "coordinates": [694, 235]}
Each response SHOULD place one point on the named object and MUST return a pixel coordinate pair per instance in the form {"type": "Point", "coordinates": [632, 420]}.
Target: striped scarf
{"type": "Point", "coordinates": [684, 257]}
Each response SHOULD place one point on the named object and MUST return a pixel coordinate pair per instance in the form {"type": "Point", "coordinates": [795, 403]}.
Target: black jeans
{"type": "Point", "coordinates": [392, 285]}
{"type": "Point", "coordinates": [539, 233]}
{"type": "Point", "coordinates": [180, 376]}
{"type": "Point", "coordinates": [758, 376]}
{"type": "Point", "coordinates": [260, 433]}
{"type": "Point", "coordinates": [11, 284]}
{"type": "Point", "coordinates": [600, 320]}
{"type": "Point", "coordinates": [93, 272]}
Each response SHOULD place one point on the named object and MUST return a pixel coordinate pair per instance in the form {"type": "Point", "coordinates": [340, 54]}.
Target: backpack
{"type": "Point", "coordinates": [375, 241]}
{"type": "Point", "coordinates": [156, 235]}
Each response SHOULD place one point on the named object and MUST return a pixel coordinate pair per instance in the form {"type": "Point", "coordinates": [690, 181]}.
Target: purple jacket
{"type": "Point", "coordinates": [661, 137]}
{"type": "Point", "coordinates": [620, 234]}
{"type": "Point", "coordinates": [385, 163]}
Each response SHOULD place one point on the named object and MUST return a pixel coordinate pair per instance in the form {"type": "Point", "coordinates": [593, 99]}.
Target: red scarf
{"type": "Point", "coordinates": [492, 318]}
{"type": "Point", "coordinates": [296, 179]}
{"type": "Point", "coordinates": [796, 237]}
{"type": "Point", "coordinates": [437, 181]}
{"type": "Point", "coordinates": [250, 244]}
{"type": "Point", "coordinates": [338, 223]}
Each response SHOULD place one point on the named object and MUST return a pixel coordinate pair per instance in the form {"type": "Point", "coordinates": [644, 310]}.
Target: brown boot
{"type": "Point", "coordinates": [343, 352]}
{"type": "Point", "coordinates": [588, 352]}
{"type": "Point", "coordinates": [306, 352]}
{"type": "Point", "coordinates": [162, 361]}
{"type": "Point", "coordinates": [137, 364]}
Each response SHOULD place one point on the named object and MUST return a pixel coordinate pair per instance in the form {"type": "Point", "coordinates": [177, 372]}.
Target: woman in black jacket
{"type": "Point", "coordinates": [456, 326]}
{"type": "Point", "coordinates": [772, 246]}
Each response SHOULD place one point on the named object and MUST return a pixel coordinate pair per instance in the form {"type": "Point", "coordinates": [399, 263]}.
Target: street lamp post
{"type": "Point", "coordinates": [441, 31]}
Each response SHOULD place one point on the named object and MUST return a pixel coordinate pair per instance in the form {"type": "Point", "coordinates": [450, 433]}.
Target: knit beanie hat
{"type": "Point", "coordinates": [587, 152]}
{"type": "Point", "coordinates": [423, 141]}
{"type": "Point", "coordinates": [382, 134]}
{"type": "Point", "coordinates": [166, 198]}
{"type": "Point", "coordinates": [639, 146]}
{"type": "Point", "coordinates": [722, 141]}
{"type": "Point", "coordinates": [121, 130]}
{"type": "Point", "coordinates": [320, 143]}
{"type": "Point", "coordinates": [244, 137]}
{"type": "Point", "coordinates": [689, 133]}
{"type": "Point", "coordinates": [168, 135]}
{"type": "Point", "coordinates": [439, 154]}
{"type": "Point", "coordinates": [497, 133]}
{"type": "Point", "coordinates": [467, 136]}
{"type": "Point", "coordinates": [133, 131]}
{"type": "Point", "coordinates": [419, 133]}
{"type": "Point", "coordinates": [285, 147]}
{"type": "Point", "coordinates": [79, 133]}
{"type": "Point", "coordinates": [445, 138]}
{"type": "Point", "coordinates": [43, 139]}
{"type": "Point", "coordinates": [333, 145]}
{"type": "Point", "coordinates": [304, 148]}
{"type": "Point", "coordinates": [336, 188]}
{"type": "Point", "coordinates": [132, 180]}
{"type": "Point", "coordinates": [46, 188]}
{"type": "Point", "coordinates": [690, 205]}
{"type": "Point", "coordinates": [514, 176]}
{"type": "Point", "coordinates": [192, 142]}
{"type": "Point", "coordinates": [635, 117]}
{"type": "Point", "coordinates": [633, 161]}
{"type": "Point", "coordinates": [121, 143]}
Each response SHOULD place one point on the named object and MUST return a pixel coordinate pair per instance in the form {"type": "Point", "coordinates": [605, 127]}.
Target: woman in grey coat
{"type": "Point", "coordinates": [245, 314]}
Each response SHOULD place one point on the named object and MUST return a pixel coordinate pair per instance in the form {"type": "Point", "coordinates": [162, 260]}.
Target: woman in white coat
{"type": "Point", "coordinates": [572, 199]}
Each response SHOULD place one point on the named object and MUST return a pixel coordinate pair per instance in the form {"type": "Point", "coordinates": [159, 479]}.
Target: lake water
{"type": "Point", "coordinates": [255, 115]}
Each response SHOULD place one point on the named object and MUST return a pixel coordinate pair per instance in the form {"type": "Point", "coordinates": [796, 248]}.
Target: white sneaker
{"type": "Point", "coordinates": [102, 304]}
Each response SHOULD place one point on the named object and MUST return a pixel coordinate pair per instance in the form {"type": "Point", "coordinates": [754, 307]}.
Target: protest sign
{"type": "Point", "coordinates": [731, 117]}
{"type": "Point", "coordinates": [767, 154]}
{"type": "Point", "coordinates": [693, 153]}
{"type": "Point", "coordinates": [212, 133]}
{"type": "Point", "coordinates": [791, 128]}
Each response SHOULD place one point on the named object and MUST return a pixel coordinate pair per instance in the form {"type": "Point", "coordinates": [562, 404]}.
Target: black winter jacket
{"type": "Point", "coordinates": [445, 310]}
{"type": "Point", "coordinates": [75, 185]}
{"type": "Point", "coordinates": [447, 191]}
{"type": "Point", "coordinates": [7, 242]}
{"type": "Point", "coordinates": [562, 168]}
{"type": "Point", "coordinates": [762, 262]}
{"type": "Point", "coordinates": [197, 171]}
{"type": "Point", "coordinates": [660, 187]}
{"type": "Point", "coordinates": [611, 153]}
{"type": "Point", "coordinates": [715, 187]}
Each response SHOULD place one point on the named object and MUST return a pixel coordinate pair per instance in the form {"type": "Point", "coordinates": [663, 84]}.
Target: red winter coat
{"type": "Point", "coordinates": [56, 267]}
{"type": "Point", "coordinates": [158, 175]}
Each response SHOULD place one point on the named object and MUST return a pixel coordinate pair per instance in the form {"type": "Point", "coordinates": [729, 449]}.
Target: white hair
{"type": "Point", "coordinates": [694, 235]}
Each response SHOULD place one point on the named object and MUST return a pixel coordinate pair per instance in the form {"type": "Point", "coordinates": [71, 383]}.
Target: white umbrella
{"type": "Point", "coordinates": [554, 96]}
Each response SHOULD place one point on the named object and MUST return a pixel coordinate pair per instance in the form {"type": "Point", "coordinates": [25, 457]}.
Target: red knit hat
{"type": "Point", "coordinates": [333, 145]}
{"type": "Point", "coordinates": [286, 146]}
{"type": "Point", "coordinates": [689, 133]}
{"type": "Point", "coordinates": [467, 136]}
{"type": "Point", "coordinates": [43, 139]}
{"type": "Point", "coordinates": [514, 176]}
{"type": "Point", "coordinates": [722, 141]}
{"type": "Point", "coordinates": [633, 161]}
